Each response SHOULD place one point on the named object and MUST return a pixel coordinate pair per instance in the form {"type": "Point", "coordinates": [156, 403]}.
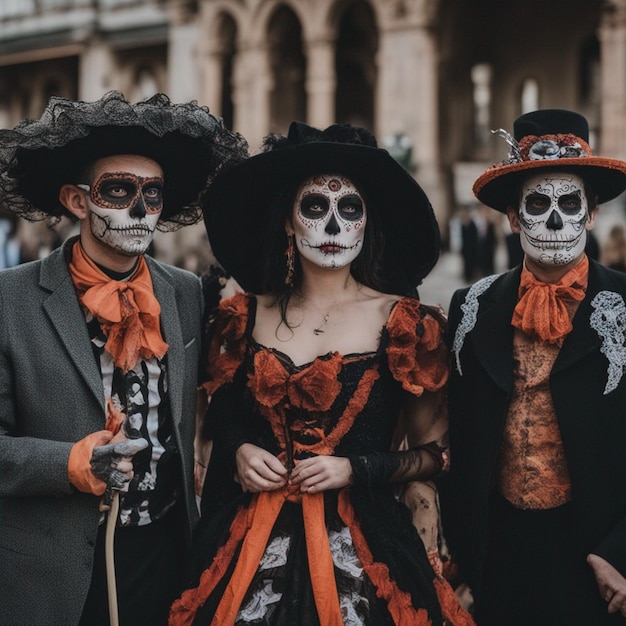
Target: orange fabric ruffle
{"type": "Point", "coordinates": [542, 310]}
{"type": "Point", "coordinates": [313, 388]}
{"type": "Point", "coordinates": [324, 444]}
{"type": "Point", "coordinates": [128, 312]}
{"type": "Point", "coordinates": [398, 601]}
{"type": "Point", "coordinates": [228, 344]}
{"type": "Point", "coordinates": [183, 611]}
{"type": "Point", "coordinates": [115, 418]}
{"type": "Point", "coordinates": [416, 352]}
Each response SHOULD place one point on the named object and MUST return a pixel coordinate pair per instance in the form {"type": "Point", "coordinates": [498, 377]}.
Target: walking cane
{"type": "Point", "coordinates": [109, 557]}
{"type": "Point", "coordinates": [118, 424]}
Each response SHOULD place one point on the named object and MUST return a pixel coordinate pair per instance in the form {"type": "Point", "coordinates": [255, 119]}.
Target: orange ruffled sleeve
{"type": "Point", "coordinates": [417, 354]}
{"type": "Point", "coordinates": [228, 342]}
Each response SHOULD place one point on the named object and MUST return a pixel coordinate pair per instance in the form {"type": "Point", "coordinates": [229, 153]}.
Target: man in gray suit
{"type": "Point", "coordinates": [95, 336]}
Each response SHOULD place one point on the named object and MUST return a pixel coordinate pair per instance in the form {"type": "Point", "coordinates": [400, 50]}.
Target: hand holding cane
{"type": "Point", "coordinates": [113, 463]}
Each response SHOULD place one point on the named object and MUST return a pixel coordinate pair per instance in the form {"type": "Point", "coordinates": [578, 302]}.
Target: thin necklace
{"type": "Point", "coordinates": [318, 330]}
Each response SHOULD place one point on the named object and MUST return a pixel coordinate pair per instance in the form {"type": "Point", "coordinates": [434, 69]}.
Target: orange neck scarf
{"type": "Point", "coordinates": [128, 312]}
{"type": "Point", "coordinates": [541, 310]}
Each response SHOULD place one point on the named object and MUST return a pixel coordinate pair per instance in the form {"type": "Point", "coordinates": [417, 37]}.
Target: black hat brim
{"type": "Point", "coordinates": [237, 207]}
{"type": "Point", "coordinates": [43, 171]}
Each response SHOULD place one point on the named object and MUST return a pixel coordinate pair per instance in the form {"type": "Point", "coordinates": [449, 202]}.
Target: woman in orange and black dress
{"type": "Point", "coordinates": [308, 381]}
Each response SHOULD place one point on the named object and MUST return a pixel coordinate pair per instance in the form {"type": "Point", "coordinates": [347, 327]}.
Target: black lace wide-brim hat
{"type": "Point", "coordinates": [242, 201]}
{"type": "Point", "coordinates": [191, 145]}
{"type": "Point", "coordinates": [548, 140]}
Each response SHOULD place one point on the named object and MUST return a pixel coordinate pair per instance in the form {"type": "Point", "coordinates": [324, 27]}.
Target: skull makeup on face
{"type": "Point", "coordinates": [553, 214]}
{"type": "Point", "coordinates": [125, 206]}
{"type": "Point", "coordinates": [329, 220]}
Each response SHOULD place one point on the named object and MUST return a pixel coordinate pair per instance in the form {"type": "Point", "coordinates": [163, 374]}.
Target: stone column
{"type": "Point", "coordinates": [320, 82]}
{"type": "Point", "coordinates": [252, 84]}
{"type": "Point", "coordinates": [612, 35]}
{"type": "Point", "coordinates": [210, 86]}
{"type": "Point", "coordinates": [407, 92]}
{"type": "Point", "coordinates": [96, 71]}
{"type": "Point", "coordinates": [182, 62]}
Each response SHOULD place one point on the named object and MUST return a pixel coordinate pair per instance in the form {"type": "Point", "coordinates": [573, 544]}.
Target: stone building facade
{"type": "Point", "coordinates": [429, 77]}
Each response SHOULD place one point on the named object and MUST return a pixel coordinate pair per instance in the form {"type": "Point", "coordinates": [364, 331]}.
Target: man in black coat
{"type": "Point", "coordinates": [534, 507]}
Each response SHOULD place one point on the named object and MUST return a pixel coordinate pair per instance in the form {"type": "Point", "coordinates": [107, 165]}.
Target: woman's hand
{"type": "Point", "coordinates": [321, 473]}
{"type": "Point", "coordinates": [258, 469]}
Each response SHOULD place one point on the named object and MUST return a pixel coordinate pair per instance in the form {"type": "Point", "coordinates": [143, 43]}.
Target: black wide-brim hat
{"type": "Point", "coordinates": [189, 143]}
{"type": "Point", "coordinates": [544, 140]}
{"type": "Point", "coordinates": [241, 200]}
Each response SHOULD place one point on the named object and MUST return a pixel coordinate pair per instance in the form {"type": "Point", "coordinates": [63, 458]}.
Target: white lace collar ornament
{"type": "Point", "coordinates": [470, 314]}
{"type": "Point", "coordinates": [609, 321]}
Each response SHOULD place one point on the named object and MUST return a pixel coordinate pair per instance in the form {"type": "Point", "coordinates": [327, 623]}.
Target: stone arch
{"type": "Point", "coordinates": [36, 82]}
{"type": "Point", "coordinates": [287, 65]}
{"type": "Point", "coordinates": [357, 40]}
{"type": "Point", "coordinates": [518, 43]}
{"type": "Point", "coordinates": [260, 18]}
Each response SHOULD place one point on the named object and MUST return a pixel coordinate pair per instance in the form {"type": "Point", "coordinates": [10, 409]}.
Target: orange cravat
{"type": "Point", "coordinates": [541, 310]}
{"type": "Point", "coordinates": [128, 312]}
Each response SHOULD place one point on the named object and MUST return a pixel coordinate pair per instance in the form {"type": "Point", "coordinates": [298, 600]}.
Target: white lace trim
{"type": "Point", "coordinates": [276, 553]}
{"type": "Point", "coordinates": [354, 607]}
{"type": "Point", "coordinates": [470, 314]}
{"type": "Point", "coordinates": [609, 321]}
{"type": "Point", "coordinates": [343, 552]}
{"type": "Point", "coordinates": [259, 603]}
{"type": "Point", "coordinates": [345, 559]}
{"type": "Point", "coordinates": [349, 605]}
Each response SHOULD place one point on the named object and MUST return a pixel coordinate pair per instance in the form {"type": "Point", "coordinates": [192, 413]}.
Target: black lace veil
{"type": "Point", "coordinates": [40, 155]}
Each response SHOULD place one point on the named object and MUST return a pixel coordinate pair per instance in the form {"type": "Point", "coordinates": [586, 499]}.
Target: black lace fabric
{"type": "Point", "coordinates": [40, 155]}
{"type": "Point", "coordinates": [419, 463]}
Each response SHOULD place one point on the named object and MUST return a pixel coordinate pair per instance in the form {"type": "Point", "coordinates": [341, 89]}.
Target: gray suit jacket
{"type": "Point", "coordinates": [51, 396]}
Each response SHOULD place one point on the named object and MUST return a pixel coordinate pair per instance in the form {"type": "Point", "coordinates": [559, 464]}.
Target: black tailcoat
{"type": "Point", "coordinates": [592, 422]}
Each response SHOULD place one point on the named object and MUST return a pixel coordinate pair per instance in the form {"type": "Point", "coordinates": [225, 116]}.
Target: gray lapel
{"type": "Point", "coordinates": [66, 315]}
{"type": "Point", "coordinates": [172, 333]}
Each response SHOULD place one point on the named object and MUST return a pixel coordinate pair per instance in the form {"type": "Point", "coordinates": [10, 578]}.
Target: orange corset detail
{"type": "Point", "coordinates": [313, 388]}
{"type": "Point", "coordinates": [312, 392]}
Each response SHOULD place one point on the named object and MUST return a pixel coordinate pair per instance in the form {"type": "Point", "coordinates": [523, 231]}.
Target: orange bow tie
{"type": "Point", "coordinates": [542, 311]}
{"type": "Point", "coordinates": [128, 312]}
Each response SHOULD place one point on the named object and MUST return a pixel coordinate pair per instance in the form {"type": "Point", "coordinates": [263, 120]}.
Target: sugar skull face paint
{"type": "Point", "coordinates": [329, 220]}
{"type": "Point", "coordinates": [125, 206]}
{"type": "Point", "coordinates": [553, 215]}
